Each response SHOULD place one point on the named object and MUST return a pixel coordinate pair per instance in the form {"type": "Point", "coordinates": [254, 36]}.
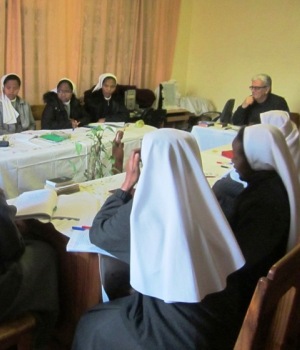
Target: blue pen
{"type": "Point", "coordinates": [78, 228]}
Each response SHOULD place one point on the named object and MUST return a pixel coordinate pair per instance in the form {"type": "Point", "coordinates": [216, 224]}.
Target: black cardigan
{"type": "Point", "coordinates": [97, 107]}
{"type": "Point", "coordinates": [55, 115]}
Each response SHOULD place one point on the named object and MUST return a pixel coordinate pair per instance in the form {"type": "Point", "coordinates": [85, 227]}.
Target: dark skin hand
{"type": "Point", "coordinates": [75, 123]}
{"type": "Point", "coordinates": [132, 171]}
{"type": "Point", "coordinates": [118, 152]}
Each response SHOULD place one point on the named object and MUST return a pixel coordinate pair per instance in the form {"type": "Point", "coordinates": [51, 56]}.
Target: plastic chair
{"type": "Point", "coordinates": [273, 317]}
{"type": "Point", "coordinates": [18, 332]}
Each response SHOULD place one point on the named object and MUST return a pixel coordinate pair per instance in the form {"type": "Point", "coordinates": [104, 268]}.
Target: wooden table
{"type": "Point", "coordinates": [79, 282]}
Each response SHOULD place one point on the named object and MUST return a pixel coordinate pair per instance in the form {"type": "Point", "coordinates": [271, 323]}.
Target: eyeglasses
{"type": "Point", "coordinates": [257, 87]}
{"type": "Point", "coordinates": [64, 91]}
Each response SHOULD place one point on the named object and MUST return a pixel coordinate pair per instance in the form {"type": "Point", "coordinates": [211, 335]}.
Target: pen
{"type": "Point", "coordinates": [78, 228]}
{"type": "Point", "coordinates": [81, 228]}
{"type": "Point", "coordinates": [223, 163]}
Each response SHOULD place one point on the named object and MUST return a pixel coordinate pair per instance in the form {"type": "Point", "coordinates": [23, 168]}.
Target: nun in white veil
{"type": "Point", "coordinates": [15, 112]}
{"type": "Point", "coordinates": [227, 188]}
{"type": "Point", "coordinates": [104, 102]}
{"type": "Point", "coordinates": [270, 152]}
{"type": "Point", "coordinates": [101, 79]}
{"type": "Point", "coordinates": [182, 247]}
{"type": "Point", "coordinates": [282, 121]}
{"type": "Point", "coordinates": [10, 114]}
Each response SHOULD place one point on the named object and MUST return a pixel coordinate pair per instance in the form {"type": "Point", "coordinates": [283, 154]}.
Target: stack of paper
{"type": "Point", "coordinates": [80, 242]}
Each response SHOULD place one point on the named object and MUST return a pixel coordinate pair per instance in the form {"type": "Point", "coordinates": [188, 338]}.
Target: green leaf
{"type": "Point", "coordinates": [78, 148]}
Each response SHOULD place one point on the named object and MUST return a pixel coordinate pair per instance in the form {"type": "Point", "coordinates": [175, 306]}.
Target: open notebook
{"type": "Point", "coordinates": [46, 204]}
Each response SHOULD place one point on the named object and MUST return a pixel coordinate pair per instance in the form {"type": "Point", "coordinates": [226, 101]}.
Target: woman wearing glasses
{"type": "Point", "coordinates": [261, 100]}
{"type": "Point", "coordinates": [63, 109]}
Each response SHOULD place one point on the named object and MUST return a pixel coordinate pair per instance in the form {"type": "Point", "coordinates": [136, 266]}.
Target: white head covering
{"type": "Point", "coordinates": [266, 149]}
{"type": "Point", "coordinates": [10, 115]}
{"type": "Point", "coordinates": [71, 82]}
{"type": "Point", "coordinates": [281, 120]}
{"type": "Point", "coordinates": [182, 247]}
{"type": "Point", "coordinates": [101, 79]}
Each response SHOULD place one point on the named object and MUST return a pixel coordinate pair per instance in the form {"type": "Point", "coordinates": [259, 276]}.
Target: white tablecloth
{"type": "Point", "coordinates": [214, 164]}
{"type": "Point", "coordinates": [29, 160]}
{"type": "Point", "coordinates": [213, 136]}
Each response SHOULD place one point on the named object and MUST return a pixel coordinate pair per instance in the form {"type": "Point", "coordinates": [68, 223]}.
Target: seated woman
{"type": "Point", "coordinates": [15, 113]}
{"type": "Point", "coordinates": [282, 121]}
{"type": "Point", "coordinates": [63, 109]}
{"type": "Point", "coordinates": [28, 275]}
{"type": "Point", "coordinates": [230, 186]}
{"type": "Point", "coordinates": [103, 104]}
{"type": "Point", "coordinates": [179, 239]}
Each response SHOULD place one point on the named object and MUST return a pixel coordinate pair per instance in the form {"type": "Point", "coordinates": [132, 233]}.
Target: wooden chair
{"type": "Point", "coordinates": [118, 153]}
{"type": "Point", "coordinates": [18, 333]}
{"type": "Point", "coordinates": [295, 117]}
{"type": "Point", "coordinates": [115, 277]}
{"type": "Point", "coordinates": [273, 317]}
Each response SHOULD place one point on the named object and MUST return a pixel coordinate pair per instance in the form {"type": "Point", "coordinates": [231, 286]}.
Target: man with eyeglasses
{"type": "Point", "coordinates": [261, 100]}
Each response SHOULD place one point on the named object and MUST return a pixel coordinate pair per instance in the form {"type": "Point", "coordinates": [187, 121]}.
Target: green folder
{"type": "Point", "coordinates": [54, 137]}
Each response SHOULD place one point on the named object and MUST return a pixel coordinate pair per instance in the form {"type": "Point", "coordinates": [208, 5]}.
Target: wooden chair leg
{"type": "Point", "coordinates": [18, 333]}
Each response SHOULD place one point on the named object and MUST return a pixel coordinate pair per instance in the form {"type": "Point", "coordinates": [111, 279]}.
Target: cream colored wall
{"type": "Point", "coordinates": [222, 44]}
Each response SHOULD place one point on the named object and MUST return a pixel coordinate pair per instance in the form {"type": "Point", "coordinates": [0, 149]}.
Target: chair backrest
{"type": "Point", "coordinates": [118, 153]}
{"type": "Point", "coordinates": [18, 332]}
{"type": "Point", "coordinates": [273, 317]}
{"type": "Point", "coordinates": [37, 111]}
{"type": "Point", "coordinates": [115, 277]}
{"type": "Point", "coordinates": [295, 117]}
{"type": "Point", "coordinates": [154, 117]}
{"type": "Point", "coordinates": [226, 114]}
